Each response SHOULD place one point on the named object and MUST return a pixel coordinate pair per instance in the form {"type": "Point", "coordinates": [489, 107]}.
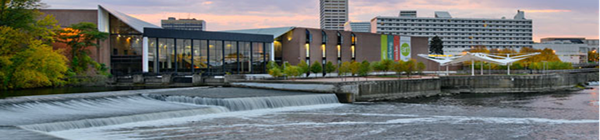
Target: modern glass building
{"type": "Point", "coordinates": [213, 53]}
{"type": "Point", "coordinates": [139, 47]}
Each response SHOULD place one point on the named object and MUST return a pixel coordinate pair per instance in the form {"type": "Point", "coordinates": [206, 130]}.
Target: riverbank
{"type": "Point", "coordinates": [378, 89]}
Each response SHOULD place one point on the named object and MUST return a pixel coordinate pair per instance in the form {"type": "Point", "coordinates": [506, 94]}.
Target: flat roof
{"type": "Point", "coordinates": [206, 35]}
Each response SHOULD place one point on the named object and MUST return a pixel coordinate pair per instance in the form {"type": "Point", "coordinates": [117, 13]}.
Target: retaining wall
{"type": "Point", "coordinates": [357, 90]}
{"type": "Point", "coordinates": [514, 83]}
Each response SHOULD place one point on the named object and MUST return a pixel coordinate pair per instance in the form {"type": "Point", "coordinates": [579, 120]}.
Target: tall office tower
{"type": "Point", "coordinates": [459, 34]}
{"type": "Point", "coordinates": [334, 13]}
{"type": "Point", "coordinates": [183, 24]}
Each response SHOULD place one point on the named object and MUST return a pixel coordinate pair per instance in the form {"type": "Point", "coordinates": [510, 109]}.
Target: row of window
{"type": "Point", "coordinates": [456, 25]}
{"type": "Point", "coordinates": [456, 34]}
{"type": "Point", "coordinates": [207, 56]}
{"type": "Point", "coordinates": [457, 30]}
{"type": "Point", "coordinates": [454, 21]}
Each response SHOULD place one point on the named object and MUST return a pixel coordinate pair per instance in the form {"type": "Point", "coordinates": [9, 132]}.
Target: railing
{"type": "Point", "coordinates": [486, 72]}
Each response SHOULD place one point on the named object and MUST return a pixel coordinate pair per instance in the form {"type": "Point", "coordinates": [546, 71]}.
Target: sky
{"type": "Point", "coordinates": [551, 18]}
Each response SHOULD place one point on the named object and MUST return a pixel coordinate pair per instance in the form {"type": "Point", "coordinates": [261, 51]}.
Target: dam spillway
{"type": "Point", "coordinates": [77, 111]}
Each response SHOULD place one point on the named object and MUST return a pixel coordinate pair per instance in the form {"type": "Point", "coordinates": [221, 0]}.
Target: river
{"type": "Point", "coordinates": [561, 115]}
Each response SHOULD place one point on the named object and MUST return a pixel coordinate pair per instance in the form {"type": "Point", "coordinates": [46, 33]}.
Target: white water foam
{"type": "Point", "coordinates": [252, 103]}
{"type": "Point", "coordinates": [78, 124]}
{"type": "Point", "coordinates": [77, 109]}
{"type": "Point", "coordinates": [103, 132]}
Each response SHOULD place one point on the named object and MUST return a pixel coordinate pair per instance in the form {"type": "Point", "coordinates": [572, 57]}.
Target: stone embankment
{"type": "Point", "coordinates": [409, 88]}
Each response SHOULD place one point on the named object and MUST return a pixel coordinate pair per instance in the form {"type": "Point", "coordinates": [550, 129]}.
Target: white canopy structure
{"type": "Point", "coordinates": [500, 60]}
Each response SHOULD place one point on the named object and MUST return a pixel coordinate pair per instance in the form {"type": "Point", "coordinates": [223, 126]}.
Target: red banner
{"type": "Point", "coordinates": [396, 48]}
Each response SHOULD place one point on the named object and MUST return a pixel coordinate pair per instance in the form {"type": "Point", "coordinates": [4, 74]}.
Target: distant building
{"type": "Point", "coordinates": [572, 50]}
{"type": "Point", "coordinates": [358, 27]}
{"type": "Point", "coordinates": [459, 34]}
{"type": "Point", "coordinates": [183, 24]}
{"type": "Point", "coordinates": [592, 44]}
{"type": "Point", "coordinates": [334, 14]}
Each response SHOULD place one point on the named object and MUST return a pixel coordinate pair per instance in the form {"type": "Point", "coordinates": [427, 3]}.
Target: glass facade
{"type": "Point", "coordinates": [126, 48]}
{"type": "Point", "coordinates": [215, 57]}
{"type": "Point", "coordinates": [245, 57]}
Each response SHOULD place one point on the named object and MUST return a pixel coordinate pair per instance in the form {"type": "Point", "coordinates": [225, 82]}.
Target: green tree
{"type": "Point", "coordinates": [376, 66]}
{"type": "Point", "coordinates": [354, 68]}
{"type": "Point", "coordinates": [79, 37]}
{"type": "Point", "coordinates": [365, 68]}
{"type": "Point", "coordinates": [344, 69]}
{"type": "Point", "coordinates": [37, 66]}
{"type": "Point", "coordinates": [304, 68]}
{"type": "Point", "coordinates": [436, 45]}
{"type": "Point", "coordinates": [316, 67]}
{"type": "Point", "coordinates": [329, 67]}
{"type": "Point", "coordinates": [386, 65]}
{"type": "Point", "coordinates": [292, 71]}
{"type": "Point", "coordinates": [399, 67]}
{"type": "Point", "coordinates": [410, 67]}
{"type": "Point", "coordinates": [26, 58]}
{"type": "Point", "coordinates": [275, 72]}
{"type": "Point", "coordinates": [420, 67]}
{"type": "Point", "coordinates": [272, 64]}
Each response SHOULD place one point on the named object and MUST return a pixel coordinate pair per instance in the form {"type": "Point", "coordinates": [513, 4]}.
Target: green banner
{"type": "Point", "coordinates": [384, 48]}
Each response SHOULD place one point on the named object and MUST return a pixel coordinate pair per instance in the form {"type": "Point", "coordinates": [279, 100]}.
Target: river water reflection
{"type": "Point", "coordinates": [564, 115]}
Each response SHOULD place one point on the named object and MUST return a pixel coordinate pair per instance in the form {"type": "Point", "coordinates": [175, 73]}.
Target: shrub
{"type": "Point", "coordinates": [293, 71]}
{"type": "Point", "coordinates": [420, 67]}
{"type": "Point", "coordinates": [329, 67]}
{"type": "Point", "coordinates": [399, 67]}
{"type": "Point", "coordinates": [304, 68]}
{"type": "Point", "coordinates": [344, 69]}
{"type": "Point", "coordinates": [275, 72]}
{"type": "Point", "coordinates": [354, 68]}
{"type": "Point", "coordinates": [409, 67]}
{"type": "Point", "coordinates": [365, 68]}
{"type": "Point", "coordinates": [316, 67]}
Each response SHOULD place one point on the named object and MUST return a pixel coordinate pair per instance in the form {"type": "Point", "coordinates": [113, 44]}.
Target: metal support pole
{"type": "Point", "coordinates": [472, 67]}
{"type": "Point", "coordinates": [447, 73]}
{"type": "Point", "coordinates": [508, 69]}
{"type": "Point", "coordinates": [481, 68]}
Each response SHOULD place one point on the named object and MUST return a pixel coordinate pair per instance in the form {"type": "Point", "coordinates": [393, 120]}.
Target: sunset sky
{"type": "Point", "coordinates": [551, 18]}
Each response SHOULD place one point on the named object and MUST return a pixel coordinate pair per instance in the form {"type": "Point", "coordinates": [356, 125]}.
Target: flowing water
{"type": "Point", "coordinates": [144, 115]}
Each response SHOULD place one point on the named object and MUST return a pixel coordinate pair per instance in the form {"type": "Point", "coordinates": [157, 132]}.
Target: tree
{"type": "Point", "coordinates": [329, 67]}
{"type": "Point", "coordinates": [79, 37]}
{"type": "Point", "coordinates": [365, 68]}
{"type": "Point", "coordinates": [293, 71]}
{"type": "Point", "coordinates": [593, 56]}
{"type": "Point", "coordinates": [436, 46]}
{"type": "Point", "coordinates": [420, 67]}
{"type": "Point", "coordinates": [354, 68]}
{"type": "Point", "coordinates": [316, 67]}
{"type": "Point", "coordinates": [26, 58]}
{"type": "Point", "coordinates": [272, 64]}
{"type": "Point", "coordinates": [409, 67]}
{"type": "Point", "coordinates": [344, 69]}
{"type": "Point", "coordinates": [386, 64]}
{"type": "Point", "coordinates": [304, 68]}
{"type": "Point", "coordinates": [399, 67]}
{"type": "Point", "coordinates": [275, 72]}
{"type": "Point", "coordinates": [37, 66]}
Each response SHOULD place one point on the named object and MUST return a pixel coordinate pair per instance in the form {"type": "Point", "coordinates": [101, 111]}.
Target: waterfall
{"type": "Point", "coordinates": [251, 103]}
{"type": "Point", "coordinates": [85, 123]}
{"type": "Point", "coordinates": [76, 113]}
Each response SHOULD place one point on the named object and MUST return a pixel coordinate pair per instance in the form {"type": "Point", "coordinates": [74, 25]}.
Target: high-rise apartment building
{"type": "Point", "coordinates": [358, 27]}
{"type": "Point", "coordinates": [183, 24]}
{"type": "Point", "coordinates": [459, 34]}
{"type": "Point", "coordinates": [334, 14]}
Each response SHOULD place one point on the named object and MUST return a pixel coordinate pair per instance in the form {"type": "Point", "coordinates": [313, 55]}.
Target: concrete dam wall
{"type": "Point", "coordinates": [410, 88]}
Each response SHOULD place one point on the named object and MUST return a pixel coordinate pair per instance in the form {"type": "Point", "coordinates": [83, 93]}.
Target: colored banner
{"type": "Point", "coordinates": [396, 48]}
{"type": "Point", "coordinates": [390, 53]}
{"type": "Point", "coordinates": [405, 48]}
{"type": "Point", "coordinates": [384, 47]}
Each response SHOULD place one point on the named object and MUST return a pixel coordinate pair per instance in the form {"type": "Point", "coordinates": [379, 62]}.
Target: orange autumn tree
{"type": "Point", "coordinates": [79, 37]}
